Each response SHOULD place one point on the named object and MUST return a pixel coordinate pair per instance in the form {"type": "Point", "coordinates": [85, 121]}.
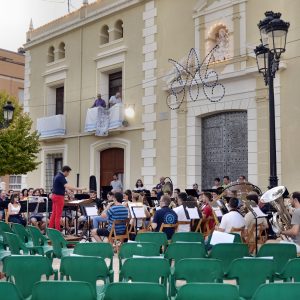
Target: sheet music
{"type": "Point", "coordinates": [193, 213]}
{"type": "Point", "coordinates": [218, 211]}
{"type": "Point", "coordinates": [219, 237]}
{"type": "Point", "coordinates": [258, 212]}
{"type": "Point", "coordinates": [138, 212]}
{"type": "Point", "coordinates": [91, 211]}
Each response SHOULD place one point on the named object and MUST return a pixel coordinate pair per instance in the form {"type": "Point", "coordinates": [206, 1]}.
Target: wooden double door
{"type": "Point", "coordinates": [111, 161]}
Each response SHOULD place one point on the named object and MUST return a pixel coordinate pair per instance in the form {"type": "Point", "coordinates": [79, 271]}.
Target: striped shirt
{"type": "Point", "coordinates": [117, 212]}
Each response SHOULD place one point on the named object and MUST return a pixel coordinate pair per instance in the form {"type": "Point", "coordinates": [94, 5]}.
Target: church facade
{"type": "Point", "coordinates": [195, 114]}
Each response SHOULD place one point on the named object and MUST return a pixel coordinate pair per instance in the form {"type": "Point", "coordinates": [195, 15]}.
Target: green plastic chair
{"type": "Point", "coordinates": [23, 234]}
{"type": "Point", "coordinates": [40, 241]}
{"type": "Point", "coordinates": [128, 250]}
{"type": "Point", "coordinates": [16, 246]}
{"type": "Point", "coordinates": [104, 250]}
{"type": "Point", "coordinates": [250, 273]}
{"type": "Point", "coordinates": [63, 290]}
{"type": "Point", "coordinates": [3, 253]}
{"type": "Point", "coordinates": [87, 269]}
{"type": "Point", "coordinates": [208, 291]}
{"type": "Point", "coordinates": [59, 244]}
{"type": "Point", "coordinates": [10, 291]}
{"type": "Point", "coordinates": [281, 254]}
{"type": "Point", "coordinates": [4, 227]}
{"type": "Point", "coordinates": [156, 270]}
{"type": "Point", "coordinates": [278, 291]}
{"type": "Point", "coordinates": [159, 238]}
{"type": "Point", "coordinates": [135, 291]}
{"type": "Point", "coordinates": [228, 252]}
{"type": "Point", "coordinates": [198, 270]}
{"type": "Point", "coordinates": [191, 237]}
{"type": "Point", "coordinates": [26, 270]}
{"type": "Point", "coordinates": [291, 271]}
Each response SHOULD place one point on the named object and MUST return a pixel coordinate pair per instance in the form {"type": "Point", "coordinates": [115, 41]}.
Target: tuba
{"type": "Point", "coordinates": [168, 186]}
{"type": "Point", "coordinates": [281, 219]}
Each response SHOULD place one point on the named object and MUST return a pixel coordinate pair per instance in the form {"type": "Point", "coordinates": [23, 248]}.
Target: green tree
{"type": "Point", "coordinates": [19, 146]}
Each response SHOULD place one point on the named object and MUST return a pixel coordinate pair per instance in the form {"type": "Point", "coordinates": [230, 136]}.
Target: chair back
{"type": "Point", "coordinates": [278, 291]}
{"type": "Point", "coordinates": [135, 291]}
{"type": "Point", "coordinates": [156, 270]}
{"type": "Point", "coordinates": [177, 251]}
{"type": "Point", "coordinates": [228, 252]}
{"type": "Point", "coordinates": [57, 240]}
{"type": "Point", "coordinates": [250, 273]}
{"type": "Point", "coordinates": [208, 291]}
{"type": "Point", "coordinates": [104, 250]}
{"type": "Point", "coordinates": [20, 230]}
{"type": "Point", "coordinates": [159, 238]}
{"type": "Point", "coordinates": [15, 244]}
{"type": "Point", "coordinates": [4, 227]}
{"type": "Point", "coordinates": [113, 233]}
{"type": "Point", "coordinates": [199, 270]}
{"type": "Point", "coordinates": [63, 290]}
{"type": "Point", "coordinates": [281, 253]}
{"type": "Point", "coordinates": [164, 226]}
{"type": "Point", "coordinates": [9, 290]}
{"type": "Point", "coordinates": [37, 237]}
{"type": "Point", "coordinates": [291, 271]}
{"type": "Point", "coordinates": [85, 268]}
{"type": "Point", "coordinates": [191, 237]}
{"type": "Point", "coordinates": [26, 270]}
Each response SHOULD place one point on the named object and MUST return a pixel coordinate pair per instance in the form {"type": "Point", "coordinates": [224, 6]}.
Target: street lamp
{"type": "Point", "coordinates": [273, 33]}
{"type": "Point", "coordinates": [8, 113]}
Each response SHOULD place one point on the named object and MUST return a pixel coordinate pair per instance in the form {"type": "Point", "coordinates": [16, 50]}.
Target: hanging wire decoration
{"type": "Point", "coordinates": [193, 75]}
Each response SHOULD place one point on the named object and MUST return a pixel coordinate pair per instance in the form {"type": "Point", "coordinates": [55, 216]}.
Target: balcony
{"type": "Point", "coordinates": [53, 126]}
{"type": "Point", "coordinates": [102, 120]}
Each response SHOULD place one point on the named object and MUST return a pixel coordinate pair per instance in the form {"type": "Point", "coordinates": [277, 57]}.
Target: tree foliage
{"type": "Point", "coordinates": [19, 146]}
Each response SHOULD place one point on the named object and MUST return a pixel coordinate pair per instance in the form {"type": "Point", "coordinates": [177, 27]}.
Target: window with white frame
{"type": "Point", "coordinates": [15, 182]}
{"type": "Point", "coordinates": [54, 163]}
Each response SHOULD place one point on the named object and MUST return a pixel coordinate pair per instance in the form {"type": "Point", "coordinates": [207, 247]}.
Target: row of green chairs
{"type": "Point", "coordinates": [62, 290]}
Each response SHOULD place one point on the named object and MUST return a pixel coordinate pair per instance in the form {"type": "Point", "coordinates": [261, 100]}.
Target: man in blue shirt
{"type": "Point", "coordinates": [60, 185]}
{"type": "Point", "coordinates": [99, 102]}
{"type": "Point", "coordinates": [164, 215]}
{"type": "Point", "coordinates": [113, 212]}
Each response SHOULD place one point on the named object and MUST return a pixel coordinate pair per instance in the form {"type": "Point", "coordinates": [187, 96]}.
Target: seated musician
{"type": "Point", "coordinates": [96, 200]}
{"type": "Point", "coordinates": [114, 211]}
{"type": "Point", "coordinates": [180, 211]}
{"type": "Point", "coordinates": [139, 186]}
{"type": "Point", "coordinates": [38, 219]}
{"type": "Point", "coordinates": [294, 231]}
{"type": "Point", "coordinates": [233, 219]}
{"type": "Point", "coordinates": [207, 212]}
{"type": "Point", "coordinates": [164, 215]}
{"type": "Point", "coordinates": [14, 207]}
{"type": "Point", "coordinates": [249, 217]}
{"type": "Point", "coordinates": [98, 219]}
{"type": "Point", "coordinates": [137, 200]}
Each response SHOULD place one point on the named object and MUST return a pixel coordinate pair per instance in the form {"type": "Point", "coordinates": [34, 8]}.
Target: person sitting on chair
{"type": "Point", "coordinates": [113, 212]}
{"type": "Point", "coordinates": [164, 215]}
{"type": "Point", "coordinates": [180, 211]}
{"type": "Point", "coordinates": [233, 219]}
{"type": "Point", "coordinates": [14, 207]}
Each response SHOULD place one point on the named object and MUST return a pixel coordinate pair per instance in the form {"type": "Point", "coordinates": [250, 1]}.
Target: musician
{"type": "Point", "coordinates": [60, 185]}
{"type": "Point", "coordinates": [114, 211]}
{"type": "Point", "coordinates": [294, 232]}
{"type": "Point", "coordinates": [242, 179]}
{"type": "Point", "coordinates": [153, 193]}
{"type": "Point", "coordinates": [233, 218]}
{"type": "Point", "coordinates": [98, 219]}
{"type": "Point", "coordinates": [116, 184]}
{"type": "Point", "coordinates": [217, 183]}
{"type": "Point", "coordinates": [226, 182]}
{"type": "Point", "coordinates": [207, 212]}
{"type": "Point", "coordinates": [180, 211]}
{"type": "Point", "coordinates": [196, 188]}
{"type": "Point", "coordinates": [139, 186]}
{"type": "Point", "coordinates": [37, 218]}
{"type": "Point", "coordinates": [249, 217]}
{"type": "Point", "coordinates": [14, 207]}
{"type": "Point", "coordinates": [164, 215]}
{"type": "Point", "coordinates": [98, 202]}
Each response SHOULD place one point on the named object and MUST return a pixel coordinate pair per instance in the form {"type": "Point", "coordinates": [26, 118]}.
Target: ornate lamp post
{"type": "Point", "coordinates": [273, 33]}
{"type": "Point", "coordinates": [8, 113]}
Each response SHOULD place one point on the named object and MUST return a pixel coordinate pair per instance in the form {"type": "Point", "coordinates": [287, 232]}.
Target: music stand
{"type": "Point", "coordinates": [105, 190]}
{"type": "Point", "coordinates": [89, 211]}
{"type": "Point", "coordinates": [138, 212]}
{"type": "Point", "coordinates": [192, 192]}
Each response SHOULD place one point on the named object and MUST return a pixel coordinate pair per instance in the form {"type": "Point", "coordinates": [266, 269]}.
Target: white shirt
{"type": "Point", "coordinates": [182, 217]}
{"type": "Point", "coordinates": [232, 219]}
{"type": "Point", "coordinates": [250, 220]}
{"type": "Point", "coordinates": [116, 185]}
{"type": "Point", "coordinates": [114, 100]}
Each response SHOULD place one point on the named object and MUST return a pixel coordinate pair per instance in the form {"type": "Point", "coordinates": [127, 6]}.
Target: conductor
{"type": "Point", "coordinates": [60, 185]}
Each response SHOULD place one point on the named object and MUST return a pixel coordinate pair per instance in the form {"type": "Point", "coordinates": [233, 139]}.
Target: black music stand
{"type": "Point", "coordinates": [192, 192]}
{"type": "Point", "coordinates": [89, 211]}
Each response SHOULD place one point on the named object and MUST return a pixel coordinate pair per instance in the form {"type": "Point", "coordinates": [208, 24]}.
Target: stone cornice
{"type": "Point", "coordinates": [64, 27]}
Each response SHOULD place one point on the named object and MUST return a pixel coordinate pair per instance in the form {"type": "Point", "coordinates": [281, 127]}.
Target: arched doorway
{"type": "Point", "coordinates": [111, 161]}
{"type": "Point", "coordinates": [224, 146]}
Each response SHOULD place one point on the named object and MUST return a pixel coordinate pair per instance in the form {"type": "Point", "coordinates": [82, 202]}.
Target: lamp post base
{"type": "Point", "coordinates": [273, 181]}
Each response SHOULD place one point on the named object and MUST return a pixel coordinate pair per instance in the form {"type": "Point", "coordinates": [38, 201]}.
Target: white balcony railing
{"type": "Point", "coordinates": [52, 126]}
{"type": "Point", "coordinates": [102, 120]}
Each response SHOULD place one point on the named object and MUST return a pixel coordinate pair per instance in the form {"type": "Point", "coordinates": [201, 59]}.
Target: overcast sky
{"type": "Point", "coordinates": [15, 17]}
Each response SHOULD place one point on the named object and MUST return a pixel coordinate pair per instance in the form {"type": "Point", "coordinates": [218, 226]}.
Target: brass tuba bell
{"type": "Point", "coordinates": [168, 186]}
